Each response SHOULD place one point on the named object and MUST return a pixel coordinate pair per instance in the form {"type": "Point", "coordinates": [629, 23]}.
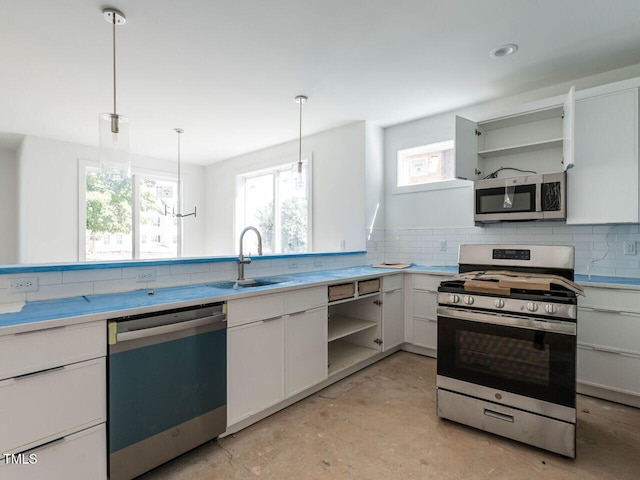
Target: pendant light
{"type": "Point", "coordinates": [114, 128]}
{"type": "Point", "coordinates": [179, 131]}
{"type": "Point", "coordinates": [299, 180]}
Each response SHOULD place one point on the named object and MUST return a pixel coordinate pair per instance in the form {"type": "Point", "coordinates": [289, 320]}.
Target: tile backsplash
{"type": "Point", "coordinates": [71, 283]}
{"type": "Point", "coordinates": [599, 249]}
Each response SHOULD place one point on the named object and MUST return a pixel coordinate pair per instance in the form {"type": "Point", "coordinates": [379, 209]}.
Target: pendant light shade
{"type": "Point", "coordinates": [299, 174]}
{"type": "Point", "coordinates": [114, 128]}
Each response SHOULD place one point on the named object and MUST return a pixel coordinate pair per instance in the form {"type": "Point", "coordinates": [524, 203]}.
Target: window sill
{"type": "Point", "coordinates": [427, 187]}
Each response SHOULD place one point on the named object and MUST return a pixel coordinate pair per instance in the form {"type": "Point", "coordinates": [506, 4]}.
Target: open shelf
{"type": "Point", "coordinates": [340, 326]}
{"type": "Point", "coordinates": [343, 354]}
{"type": "Point", "coordinates": [527, 147]}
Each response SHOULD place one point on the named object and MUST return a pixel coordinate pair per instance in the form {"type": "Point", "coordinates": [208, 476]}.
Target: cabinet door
{"type": "Point", "coordinates": [392, 318]}
{"type": "Point", "coordinates": [568, 130]}
{"type": "Point", "coordinates": [255, 368]}
{"type": "Point", "coordinates": [603, 188]}
{"type": "Point", "coordinates": [305, 349]}
{"type": "Point", "coordinates": [466, 149]}
{"type": "Point", "coordinates": [425, 319]}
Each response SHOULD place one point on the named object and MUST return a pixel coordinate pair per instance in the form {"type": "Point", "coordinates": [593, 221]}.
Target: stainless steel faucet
{"type": "Point", "coordinates": [242, 261]}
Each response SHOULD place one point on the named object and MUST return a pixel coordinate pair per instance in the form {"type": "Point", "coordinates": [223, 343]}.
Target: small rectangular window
{"type": "Point", "coordinates": [426, 164]}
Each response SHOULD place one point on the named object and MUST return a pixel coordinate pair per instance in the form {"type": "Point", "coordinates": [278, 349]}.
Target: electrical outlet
{"type": "Point", "coordinates": [23, 285]}
{"type": "Point", "coordinates": [146, 276]}
{"type": "Point", "coordinates": [630, 247]}
{"type": "Point", "coordinates": [443, 245]}
{"type": "Point", "coordinates": [317, 262]}
{"type": "Point", "coordinates": [343, 244]}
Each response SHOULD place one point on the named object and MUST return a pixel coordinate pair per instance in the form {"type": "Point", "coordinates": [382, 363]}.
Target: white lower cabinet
{"type": "Point", "coordinates": [54, 411]}
{"type": "Point", "coordinates": [81, 455]}
{"type": "Point", "coordinates": [274, 358]}
{"type": "Point", "coordinates": [423, 313]}
{"type": "Point", "coordinates": [392, 311]}
{"type": "Point", "coordinates": [305, 349]}
{"type": "Point", "coordinates": [255, 367]}
{"type": "Point", "coordinates": [609, 345]}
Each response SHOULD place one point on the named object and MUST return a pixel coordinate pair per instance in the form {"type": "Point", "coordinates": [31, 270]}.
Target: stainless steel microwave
{"type": "Point", "coordinates": [530, 197]}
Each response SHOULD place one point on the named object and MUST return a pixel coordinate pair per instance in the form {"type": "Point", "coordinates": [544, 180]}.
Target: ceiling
{"type": "Point", "coordinates": [227, 72]}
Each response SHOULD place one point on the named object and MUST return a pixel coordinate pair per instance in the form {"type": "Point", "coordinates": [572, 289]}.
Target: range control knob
{"type": "Point", "coordinates": [468, 299]}
{"type": "Point", "coordinates": [550, 308]}
{"type": "Point", "coordinates": [532, 307]}
{"type": "Point", "coordinates": [453, 298]}
{"type": "Point", "coordinates": [498, 302]}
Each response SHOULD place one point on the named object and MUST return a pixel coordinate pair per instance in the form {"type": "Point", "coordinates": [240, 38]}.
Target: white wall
{"type": "Point", "coordinates": [48, 199]}
{"type": "Point", "coordinates": [451, 208]}
{"type": "Point", "coordinates": [338, 189]}
{"type": "Point", "coordinates": [8, 212]}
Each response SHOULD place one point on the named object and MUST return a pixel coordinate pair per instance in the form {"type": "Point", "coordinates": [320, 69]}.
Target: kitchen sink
{"type": "Point", "coordinates": [249, 283]}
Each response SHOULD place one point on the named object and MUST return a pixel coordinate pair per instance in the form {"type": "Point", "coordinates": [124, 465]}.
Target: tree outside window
{"type": "Point", "coordinates": [109, 212]}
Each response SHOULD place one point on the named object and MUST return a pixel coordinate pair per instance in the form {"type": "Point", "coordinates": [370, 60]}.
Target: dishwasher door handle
{"type": "Point", "coordinates": [170, 328]}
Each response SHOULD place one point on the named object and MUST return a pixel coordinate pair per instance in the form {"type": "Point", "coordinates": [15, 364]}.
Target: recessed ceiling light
{"type": "Point", "coordinates": [504, 50]}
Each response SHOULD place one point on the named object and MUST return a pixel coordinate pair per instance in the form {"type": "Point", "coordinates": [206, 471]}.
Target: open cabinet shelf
{"type": "Point", "coordinates": [343, 354]}
{"type": "Point", "coordinates": [524, 148]}
{"type": "Point", "coordinates": [340, 326]}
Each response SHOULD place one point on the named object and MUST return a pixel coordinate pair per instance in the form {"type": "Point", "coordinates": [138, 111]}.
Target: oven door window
{"type": "Point", "coordinates": [527, 362]}
{"type": "Point", "coordinates": [521, 198]}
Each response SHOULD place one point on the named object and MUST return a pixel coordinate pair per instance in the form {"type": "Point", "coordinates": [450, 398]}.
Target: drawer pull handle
{"type": "Point", "coordinates": [35, 374]}
{"type": "Point", "coordinates": [43, 446]}
{"type": "Point", "coordinates": [498, 415]}
{"type": "Point", "coordinates": [41, 330]}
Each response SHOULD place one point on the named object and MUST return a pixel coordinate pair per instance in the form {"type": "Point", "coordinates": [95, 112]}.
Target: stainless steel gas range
{"type": "Point", "coordinates": [507, 344]}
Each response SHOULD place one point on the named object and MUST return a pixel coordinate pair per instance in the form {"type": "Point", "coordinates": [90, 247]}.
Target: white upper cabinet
{"type": "Point", "coordinates": [568, 130]}
{"type": "Point", "coordinates": [466, 149]}
{"type": "Point", "coordinates": [538, 140]}
{"type": "Point", "coordinates": [603, 187]}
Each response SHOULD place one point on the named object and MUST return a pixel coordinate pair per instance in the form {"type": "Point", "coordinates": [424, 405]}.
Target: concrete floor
{"type": "Point", "coordinates": [381, 423]}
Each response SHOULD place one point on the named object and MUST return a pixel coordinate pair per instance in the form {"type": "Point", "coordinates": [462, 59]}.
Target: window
{"type": "Point", "coordinates": [277, 202]}
{"type": "Point", "coordinates": [114, 229]}
{"type": "Point", "coordinates": [426, 164]}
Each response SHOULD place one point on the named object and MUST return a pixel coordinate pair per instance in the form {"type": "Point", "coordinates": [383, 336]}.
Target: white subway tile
{"type": "Point", "coordinates": [61, 290]}
{"type": "Point", "coordinates": [77, 276]}
{"type": "Point", "coordinates": [116, 286]}
{"type": "Point", "coordinates": [183, 268]}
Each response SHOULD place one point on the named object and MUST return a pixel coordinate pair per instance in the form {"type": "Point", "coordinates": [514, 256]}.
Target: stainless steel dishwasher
{"type": "Point", "coordinates": [167, 385]}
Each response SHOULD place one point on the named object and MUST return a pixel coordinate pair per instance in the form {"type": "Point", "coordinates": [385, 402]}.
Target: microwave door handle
{"type": "Point", "coordinates": [539, 196]}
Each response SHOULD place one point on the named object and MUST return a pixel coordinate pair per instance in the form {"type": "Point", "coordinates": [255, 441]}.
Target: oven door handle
{"type": "Point", "coordinates": [566, 328]}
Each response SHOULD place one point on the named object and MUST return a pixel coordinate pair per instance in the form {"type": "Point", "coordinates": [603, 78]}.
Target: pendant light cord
{"type": "Point", "coordinates": [113, 23]}
{"type": "Point", "coordinates": [300, 141]}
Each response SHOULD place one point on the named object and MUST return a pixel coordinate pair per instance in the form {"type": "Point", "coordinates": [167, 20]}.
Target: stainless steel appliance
{"type": "Point", "coordinates": [507, 344]}
{"type": "Point", "coordinates": [167, 386]}
{"type": "Point", "coordinates": [531, 197]}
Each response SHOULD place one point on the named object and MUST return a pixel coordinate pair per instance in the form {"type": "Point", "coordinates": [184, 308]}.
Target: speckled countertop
{"type": "Point", "coordinates": [98, 307]}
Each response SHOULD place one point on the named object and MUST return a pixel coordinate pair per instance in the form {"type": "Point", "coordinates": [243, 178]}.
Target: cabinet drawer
{"type": "Point", "coordinates": [81, 455]}
{"type": "Point", "coordinates": [618, 372]}
{"type": "Point", "coordinates": [392, 282]}
{"type": "Point", "coordinates": [425, 333]}
{"type": "Point", "coordinates": [611, 299]}
{"type": "Point", "coordinates": [240, 312]}
{"type": "Point", "coordinates": [425, 304]}
{"type": "Point", "coordinates": [366, 287]}
{"type": "Point", "coordinates": [342, 291]}
{"type": "Point", "coordinates": [427, 282]}
{"type": "Point", "coordinates": [301, 300]}
{"type": "Point", "coordinates": [37, 350]}
{"type": "Point", "coordinates": [609, 329]}
{"type": "Point", "coordinates": [52, 404]}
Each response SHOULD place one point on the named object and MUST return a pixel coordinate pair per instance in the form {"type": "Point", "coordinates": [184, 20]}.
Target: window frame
{"type": "Point", "coordinates": [281, 164]}
{"type": "Point", "coordinates": [86, 165]}
{"type": "Point", "coordinates": [424, 187]}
